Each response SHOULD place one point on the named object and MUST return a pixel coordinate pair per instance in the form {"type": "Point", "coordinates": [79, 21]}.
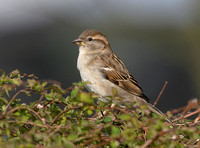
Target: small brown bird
{"type": "Point", "coordinates": [99, 65]}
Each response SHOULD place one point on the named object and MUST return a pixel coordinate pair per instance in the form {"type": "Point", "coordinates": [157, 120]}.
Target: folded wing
{"type": "Point", "coordinates": [117, 73]}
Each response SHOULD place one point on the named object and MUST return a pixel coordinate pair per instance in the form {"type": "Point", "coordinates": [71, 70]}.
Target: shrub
{"type": "Point", "coordinates": [72, 118]}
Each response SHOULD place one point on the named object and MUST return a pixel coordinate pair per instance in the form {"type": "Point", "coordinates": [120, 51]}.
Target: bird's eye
{"type": "Point", "coordinates": [89, 39]}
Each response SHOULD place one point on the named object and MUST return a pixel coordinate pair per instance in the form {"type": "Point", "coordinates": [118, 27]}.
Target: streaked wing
{"type": "Point", "coordinates": [117, 73]}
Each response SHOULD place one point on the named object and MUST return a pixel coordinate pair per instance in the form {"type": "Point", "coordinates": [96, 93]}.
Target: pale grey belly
{"type": "Point", "coordinates": [103, 87]}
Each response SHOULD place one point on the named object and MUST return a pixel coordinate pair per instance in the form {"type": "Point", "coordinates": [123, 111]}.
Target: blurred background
{"type": "Point", "coordinates": [157, 40]}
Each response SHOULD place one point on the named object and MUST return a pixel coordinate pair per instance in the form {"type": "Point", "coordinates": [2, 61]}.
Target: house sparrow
{"type": "Point", "coordinates": [104, 70]}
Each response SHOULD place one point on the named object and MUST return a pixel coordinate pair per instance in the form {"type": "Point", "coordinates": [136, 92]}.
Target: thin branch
{"type": "Point", "coordinates": [40, 125]}
{"type": "Point", "coordinates": [60, 114]}
{"type": "Point", "coordinates": [197, 118]}
{"type": "Point", "coordinates": [174, 111]}
{"type": "Point", "coordinates": [42, 96]}
{"type": "Point", "coordinates": [188, 115]}
{"type": "Point", "coordinates": [150, 141]}
{"type": "Point", "coordinates": [126, 112]}
{"type": "Point", "coordinates": [191, 104]}
{"type": "Point", "coordinates": [160, 93]}
{"type": "Point", "coordinates": [22, 90]}
{"type": "Point", "coordinates": [26, 108]}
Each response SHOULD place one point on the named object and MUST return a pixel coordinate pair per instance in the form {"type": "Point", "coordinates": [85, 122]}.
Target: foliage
{"type": "Point", "coordinates": [72, 118]}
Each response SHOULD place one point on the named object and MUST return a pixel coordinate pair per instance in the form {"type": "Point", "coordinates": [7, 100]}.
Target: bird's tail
{"type": "Point", "coordinates": [158, 112]}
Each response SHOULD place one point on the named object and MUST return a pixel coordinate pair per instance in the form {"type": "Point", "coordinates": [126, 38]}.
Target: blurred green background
{"type": "Point", "coordinates": [157, 40]}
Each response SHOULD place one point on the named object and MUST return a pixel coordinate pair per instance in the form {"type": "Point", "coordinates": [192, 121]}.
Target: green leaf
{"type": "Point", "coordinates": [44, 84]}
{"type": "Point", "coordinates": [107, 119]}
{"type": "Point", "coordinates": [7, 92]}
{"type": "Point", "coordinates": [89, 112]}
{"type": "Point", "coordinates": [115, 131]}
{"type": "Point", "coordinates": [72, 137]}
{"type": "Point", "coordinates": [14, 73]}
{"type": "Point", "coordinates": [135, 122]}
{"type": "Point", "coordinates": [17, 114]}
{"type": "Point", "coordinates": [114, 90]}
{"type": "Point", "coordinates": [125, 117]}
{"type": "Point", "coordinates": [3, 107]}
{"type": "Point", "coordinates": [24, 118]}
{"type": "Point", "coordinates": [27, 93]}
{"type": "Point", "coordinates": [16, 81]}
{"type": "Point", "coordinates": [4, 100]}
{"type": "Point", "coordinates": [85, 98]}
{"type": "Point", "coordinates": [114, 144]}
{"type": "Point", "coordinates": [31, 82]}
{"type": "Point", "coordinates": [74, 92]}
{"type": "Point", "coordinates": [48, 97]}
{"type": "Point", "coordinates": [83, 83]}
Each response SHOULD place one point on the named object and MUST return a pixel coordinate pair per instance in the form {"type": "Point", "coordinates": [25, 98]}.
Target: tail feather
{"type": "Point", "coordinates": [158, 112]}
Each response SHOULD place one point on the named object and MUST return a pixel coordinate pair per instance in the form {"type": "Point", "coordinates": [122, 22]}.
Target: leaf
{"type": "Point", "coordinates": [48, 97]}
{"type": "Point", "coordinates": [125, 117]}
{"type": "Point", "coordinates": [89, 112]}
{"type": "Point", "coordinates": [27, 93]}
{"type": "Point", "coordinates": [85, 97]}
{"type": "Point", "coordinates": [31, 82]}
{"type": "Point", "coordinates": [74, 92]}
{"type": "Point", "coordinates": [135, 122]}
{"type": "Point", "coordinates": [24, 118]}
{"type": "Point", "coordinates": [72, 137]}
{"type": "Point", "coordinates": [75, 83]}
{"type": "Point", "coordinates": [14, 73]}
{"type": "Point", "coordinates": [83, 83]}
{"type": "Point", "coordinates": [114, 90]}
{"type": "Point", "coordinates": [16, 81]}
{"type": "Point", "coordinates": [4, 100]}
{"type": "Point", "coordinates": [44, 84]}
{"type": "Point", "coordinates": [3, 107]}
{"type": "Point", "coordinates": [114, 144]}
{"type": "Point", "coordinates": [115, 131]}
{"type": "Point", "coordinates": [107, 119]}
{"type": "Point", "coordinates": [7, 92]}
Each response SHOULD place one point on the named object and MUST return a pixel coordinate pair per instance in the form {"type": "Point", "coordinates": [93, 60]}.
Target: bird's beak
{"type": "Point", "coordinates": [79, 42]}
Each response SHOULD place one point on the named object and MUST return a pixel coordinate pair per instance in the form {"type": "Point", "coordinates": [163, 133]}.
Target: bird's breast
{"type": "Point", "coordinates": [88, 69]}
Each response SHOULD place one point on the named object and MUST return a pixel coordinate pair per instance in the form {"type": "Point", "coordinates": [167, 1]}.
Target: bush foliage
{"type": "Point", "coordinates": [72, 118]}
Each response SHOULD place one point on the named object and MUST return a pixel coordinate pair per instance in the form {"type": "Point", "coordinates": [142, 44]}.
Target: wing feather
{"type": "Point", "coordinates": [117, 73]}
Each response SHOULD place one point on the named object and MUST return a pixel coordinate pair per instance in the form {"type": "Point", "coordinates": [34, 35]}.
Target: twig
{"type": "Point", "coordinates": [40, 125]}
{"type": "Point", "coordinates": [197, 118]}
{"type": "Point", "coordinates": [126, 112]}
{"type": "Point", "coordinates": [191, 104]}
{"type": "Point", "coordinates": [150, 141]}
{"type": "Point", "coordinates": [31, 123]}
{"type": "Point", "coordinates": [26, 108]}
{"type": "Point", "coordinates": [188, 115]}
{"type": "Point", "coordinates": [160, 93]}
{"type": "Point", "coordinates": [60, 114]}
{"type": "Point", "coordinates": [174, 111]}
{"type": "Point", "coordinates": [42, 96]}
{"type": "Point", "coordinates": [28, 75]}
{"type": "Point", "coordinates": [22, 90]}
{"type": "Point", "coordinates": [106, 140]}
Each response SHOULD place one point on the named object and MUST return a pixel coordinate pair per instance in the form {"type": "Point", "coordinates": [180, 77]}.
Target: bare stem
{"type": "Point", "coordinates": [188, 115]}
{"type": "Point", "coordinates": [22, 90]}
{"type": "Point", "coordinates": [160, 93]}
{"type": "Point", "coordinates": [26, 108]}
{"type": "Point", "coordinates": [60, 114]}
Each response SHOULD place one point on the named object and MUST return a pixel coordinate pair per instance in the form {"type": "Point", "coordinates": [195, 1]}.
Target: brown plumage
{"type": "Point", "coordinates": [99, 65]}
{"type": "Point", "coordinates": [117, 73]}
